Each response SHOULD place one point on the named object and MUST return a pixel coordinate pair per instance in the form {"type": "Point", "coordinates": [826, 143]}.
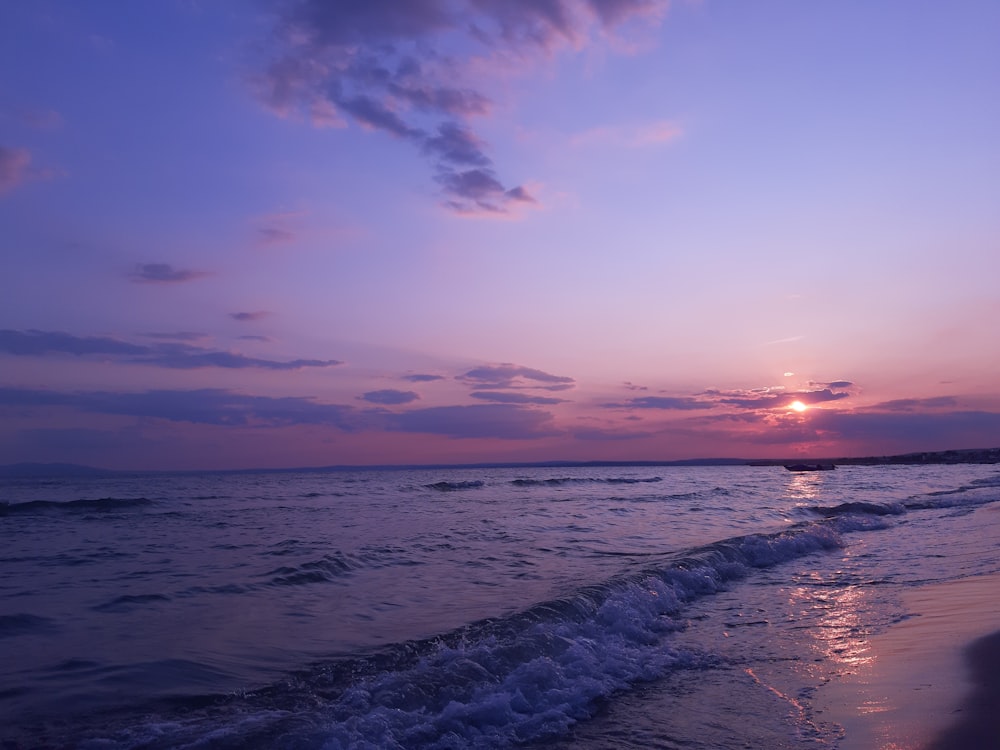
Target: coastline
{"type": "Point", "coordinates": [934, 680]}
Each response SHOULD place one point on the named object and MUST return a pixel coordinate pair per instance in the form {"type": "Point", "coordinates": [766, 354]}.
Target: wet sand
{"type": "Point", "coordinates": [934, 681]}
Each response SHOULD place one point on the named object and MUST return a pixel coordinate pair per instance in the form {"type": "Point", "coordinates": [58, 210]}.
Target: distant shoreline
{"type": "Point", "coordinates": [964, 456]}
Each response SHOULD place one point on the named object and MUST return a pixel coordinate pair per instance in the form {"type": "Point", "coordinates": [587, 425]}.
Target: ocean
{"type": "Point", "coordinates": [627, 607]}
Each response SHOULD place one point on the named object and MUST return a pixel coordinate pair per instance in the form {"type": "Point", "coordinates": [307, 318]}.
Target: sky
{"type": "Point", "coordinates": [278, 233]}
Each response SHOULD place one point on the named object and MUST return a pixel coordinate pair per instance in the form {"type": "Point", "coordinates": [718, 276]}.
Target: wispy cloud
{"type": "Point", "coordinates": [505, 397]}
{"type": "Point", "coordinates": [277, 228]}
{"type": "Point", "coordinates": [672, 403]}
{"type": "Point", "coordinates": [177, 356]}
{"type": "Point", "coordinates": [508, 422]}
{"type": "Point", "coordinates": [390, 397]}
{"type": "Point", "coordinates": [503, 376]}
{"type": "Point", "coordinates": [652, 134]}
{"type": "Point", "coordinates": [178, 336]}
{"type": "Point", "coordinates": [916, 404]}
{"type": "Point", "coordinates": [775, 399]}
{"type": "Point", "coordinates": [247, 317]}
{"type": "Point", "coordinates": [39, 119]}
{"type": "Point", "coordinates": [419, 377]}
{"type": "Point", "coordinates": [211, 406]}
{"type": "Point", "coordinates": [14, 167]}
{"type": "Point", "coordinates": [394, 66]}
{"type": "Point", "coordinates": [164, 273]}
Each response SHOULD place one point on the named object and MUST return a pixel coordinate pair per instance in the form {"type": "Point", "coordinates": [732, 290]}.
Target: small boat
{"type": "Point", "coordinates": [810, 467]}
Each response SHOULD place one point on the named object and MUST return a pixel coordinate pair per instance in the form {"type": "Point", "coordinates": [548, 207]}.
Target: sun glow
{"type": "Point", "coordinates": [797, 406]}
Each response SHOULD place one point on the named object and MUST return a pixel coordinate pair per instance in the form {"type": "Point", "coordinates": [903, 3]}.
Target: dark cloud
{"type": "Point", "coordinates": [383, 63]}
{"type": "Point", "coordinates": [597, 433]}
{"type": "Point", "coordinates": [912, 404]}
{"type": "Point", "coordinates": [906, 431]}
{"type": "Point", "coordinates": [163, 273]}
{"type": "Point", "coordinates": [509, 422]}
{"type": "Point", "coordinates": [275, 235]}
{"type": "Point", "coordinates": [178, 356]}
{"type": "Point", "coordinates": [507, 375]}
{"type": "Point", "coordinates": [189, 358]}
{"type": "Point", "coordinates": [775, 400]}
{"type": "Point", "coordinates": [390, 397]}
{"type": "Point", "coordinates": [178, 336]}
{"type": "Point", "coordinates": [503, 397]}
{"type": "Point", "coordinates": [249, 316]}
{"type": "Point", "coordinates": [14, 167]}
{"type": "Point", "coordinates": [253, 337]}
{"type": "Point", "coordinates": [633, 387]}
{"type": "Point", "coordinates": [418, 377]}
{"type": "Point", "coordinates": [32, 343]}
{"type": "Point", "coordinates": [80, 444]}
{"type": "Point", "coordinates": [212, 406]}
{"type": "Point", "coordinates": [683, 403]}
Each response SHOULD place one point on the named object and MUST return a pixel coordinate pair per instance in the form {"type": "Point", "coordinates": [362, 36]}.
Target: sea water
{"type": "Point", "coordinates": [643, 607]}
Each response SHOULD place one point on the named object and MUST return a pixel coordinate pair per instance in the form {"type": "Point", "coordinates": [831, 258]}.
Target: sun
{"type": "Point", "coordinates": [797, 406]}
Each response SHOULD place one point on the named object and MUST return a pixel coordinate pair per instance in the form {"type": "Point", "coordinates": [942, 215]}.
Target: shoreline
{"type": "Point", "coordinates": [934, 681]}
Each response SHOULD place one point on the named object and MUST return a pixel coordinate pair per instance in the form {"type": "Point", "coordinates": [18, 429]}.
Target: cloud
{"type": "Point", "coordinates": [419, 377]}
{"type": "Point", "coordinates": [32, 343]}
{"type": "Point", "coordinates": [14, 167]}
{"type": "Point", "coordinates": [403, 68]}
{"type": "Point", "coordinates": [653, 134]}
{"type": "Point", "coordinates": [390, 397]}
{"type": "Point", "coordinates": [40, 119]}
{"type": "Point", "coordinates": [766, 399]}
{"type": "Point", "coordinates": [502, 397]}
{"type": "Point", "coordinates": [253, 337]}
{"type": "Point", "coordinates": [211, 406]}
{"type": "Point", "coordinates": [834, 384]}
{"type": "Point", "coordinates": [178, 336]}
{"type": "Point", "coordinates": [189, 358]}
{"type": "Point", "coordinates": [683, 403]}
{"type": "Point", "coordinates": [277, 228]}
{"type": "Point", "coordinates": [507, 375]}
{"type": "Point", "coordinates": [164, 273]}
{"type": "Point", "coordinates": [912, 430]}
{"type": "Point", "coordinates": [508, 422]}
{"type": "Point", "coordinates": [223, 407]}
{"type": "Point", "coordinates": [275, 235]}
{"type": "Point", "coordinates": [249, 316]}
{"type": "Point", "coordinates": [597, 434]}
{"type": "Point", "coordinates": [913, 404]}
{"type": "Point", "coordinates": [177, 356]}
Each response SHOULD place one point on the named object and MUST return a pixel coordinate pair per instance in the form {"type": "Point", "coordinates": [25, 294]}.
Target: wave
{"type": "Point", "coordinates": [103, 504]}
{"type": "Point", "coordinates": [559, 481]}
{"type": "Point", "coordinates": [129, 602]}
{"type": "Point", "coordinates": [858, 507]}
{"type": "Point", "coordinates": [453, 486]}
{"type": "Point", "coordinates": [505, 681]}
{"type": "Point", "coordinates": [332, 567]}
{"type": "Point", "coordinates": [23, 624]}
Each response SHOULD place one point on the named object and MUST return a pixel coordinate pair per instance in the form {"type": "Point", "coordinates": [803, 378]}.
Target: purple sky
{"type": "Point", "coordinates": [271, 233]}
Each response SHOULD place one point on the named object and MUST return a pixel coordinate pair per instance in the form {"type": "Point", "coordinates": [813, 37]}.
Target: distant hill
{"type": "Point", "coordinates": [34, 470]}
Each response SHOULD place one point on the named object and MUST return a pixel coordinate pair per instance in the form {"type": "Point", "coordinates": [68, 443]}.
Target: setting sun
{"type": "Point", "coordinates": [797, 406]}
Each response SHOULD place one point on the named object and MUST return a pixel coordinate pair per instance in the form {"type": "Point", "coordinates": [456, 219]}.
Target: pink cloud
{"type": "Point", "coordinates": [14, 167]}
{"type": "Point", "coordinates": [653, 134]}
{"type": "Point", "coordinates": [40, 119]}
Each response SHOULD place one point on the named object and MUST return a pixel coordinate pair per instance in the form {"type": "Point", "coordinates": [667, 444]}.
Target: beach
{"type": "Point", "coordinates": [931, 680]}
